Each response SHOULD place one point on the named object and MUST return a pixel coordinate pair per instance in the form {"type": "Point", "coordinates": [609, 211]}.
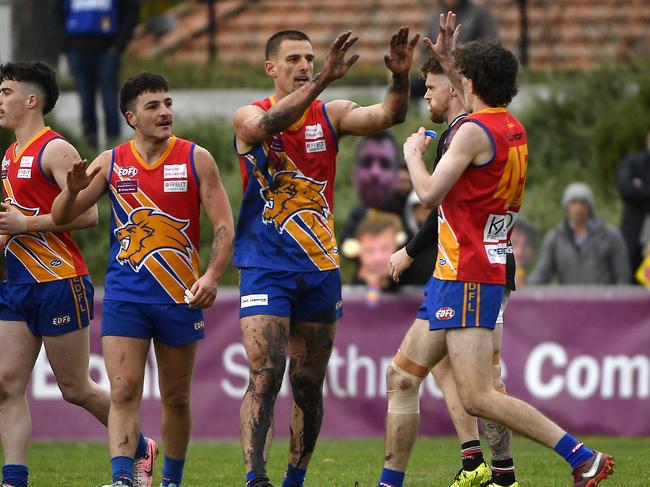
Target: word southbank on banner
{"type": "Point", "coordinates": [566, 352]}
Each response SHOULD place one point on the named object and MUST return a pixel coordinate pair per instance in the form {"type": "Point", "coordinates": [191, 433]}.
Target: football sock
{"type": "Point", "coordinates": [572, 451]}
{"type": "Point", "coordinates": [471, 455]}
{"type": "Point", "coordinates": [252, 476]}
{"type": "Point", "coordinates": [503, 472]}
{"type": "Point", "coordinates": [172, 472]}
{"type": "Point", "coordinates": [122, 468]}
{"type": "Point", "coordinates": [141, 449]}
{"type": "Point", "coordinates": [16, 475]}
{"type": "Point", "coordinates": [391, 478]}
{"type": "Point", "coordinates": [294, 476]}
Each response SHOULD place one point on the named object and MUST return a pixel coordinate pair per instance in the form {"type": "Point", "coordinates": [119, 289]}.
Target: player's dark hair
{"type": "Point", "coordinates": [273, 44]}
{"type": "Point", "coordinates": [491, 67]}
{"type": "Point", "coordinates": [37, 73]}
{"type": "Point", "coordinates": [431, 65]}
{"type": "Point", "coordinates": [140, 83]}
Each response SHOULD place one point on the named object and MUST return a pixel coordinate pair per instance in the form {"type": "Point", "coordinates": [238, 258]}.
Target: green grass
{"type": "Point", "coordinates": [336, 463]}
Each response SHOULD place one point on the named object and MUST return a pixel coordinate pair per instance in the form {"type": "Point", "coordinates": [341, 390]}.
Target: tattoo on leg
{"type": "Point", "coordinates": [499, 439]}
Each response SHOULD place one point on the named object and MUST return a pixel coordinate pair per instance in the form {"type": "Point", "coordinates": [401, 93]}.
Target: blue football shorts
{"type": "Point", "coordinates": [455, 304]}
{"type": "Point", "coordinates": [173, 324]}
{"type": "Point", "coordinates": [49, 308]}
{"type": "Point", "coordinates": [304, 297]}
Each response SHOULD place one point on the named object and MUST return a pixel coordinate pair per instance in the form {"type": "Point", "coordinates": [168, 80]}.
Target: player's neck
{"type": "Point", "coordinates": [151, 149]}
{"type": "Point", "coordinates": [454, 114]}
{"type": "Point", "coordinates": [27, 130]}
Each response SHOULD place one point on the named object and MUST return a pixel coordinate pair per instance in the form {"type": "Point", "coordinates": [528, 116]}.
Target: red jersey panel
{"type": "Point", "coordinates": [36, 256]}
{"type": "Point", "coordinates": [477, 215]}
{"type": "Point", "coordinates": [155, 225]}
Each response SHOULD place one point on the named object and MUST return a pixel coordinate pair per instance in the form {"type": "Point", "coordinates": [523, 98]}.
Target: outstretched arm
{"type": "Point", "coordinates": [350, 118]}
{"type": "Point", "coordinates": [56, 159]}
{"type": "Point", "coordinates": [253, 125]}
{"type": "Point", "coordinates": [216, 205]}
{"type": "Point", "coordinates": [84, 188]}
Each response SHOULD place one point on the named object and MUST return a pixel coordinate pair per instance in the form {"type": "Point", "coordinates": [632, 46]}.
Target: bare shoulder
{"type": "Point", "coordinates": [59, 152]}
{"type": "Point", "coordinates": [202, 156]}
{"type": "Point", "coordinates": [243, 114]}
{"type": "Point", "coordinates": [337, 108]}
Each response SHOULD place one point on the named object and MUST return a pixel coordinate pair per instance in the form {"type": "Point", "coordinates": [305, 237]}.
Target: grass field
{"type": "Point", "coordinates": [336, 463]}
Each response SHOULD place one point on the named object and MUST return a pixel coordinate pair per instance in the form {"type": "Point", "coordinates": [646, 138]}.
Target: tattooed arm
{"type": "Point", "coordinates": [216, 205]}
{"type": "Point", "coordinates": [350, 118]}
{"type": "Point", "coordinates": [253, 125]}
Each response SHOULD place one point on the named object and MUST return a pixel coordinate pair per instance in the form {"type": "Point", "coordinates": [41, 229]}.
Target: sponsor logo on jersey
{"type": "Point", "coordinates": [127, 186]}
{"type": "Point", "coordinates": [56, 263]}
{"type": "Point", "coordinates": [175, 171]}
{"type": "Point", "coordinates": [254, 300]}
{"type": "Point", "coordinates": [175, 186]}
{"type": "Point", "coordinates": [26, 161]}
{"type": "Point", "coordinates": [5, 167]}
{"type": "Point", "coordinates": [127, 172]}
{"type": "Point", "coordinates": [497, 253]}
{"type": "Point", "coordinates": [316, 146]}
{"type": "Point", "coordinates": [445, 314]}
{"type": "Point", "coordinates": [313, 131]}
{"type": "Point", "coordinates": [497, 227]}
{"type": "Point", "coordinates": [24, 173]}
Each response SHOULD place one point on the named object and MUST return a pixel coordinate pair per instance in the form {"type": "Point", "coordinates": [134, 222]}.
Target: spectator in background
{"type": "Point", "coordinates": [582, 249]}
{"type": "Point", "coordinates": [524, 241]}
{"type": "Point", "coordinates": [379, 235]}
{"type": "Point", "coordinates": [381, 180]}
{"type": "Point", "coordinates": [96, 35]}
{"type": "Point", "coordinates": [633, 182]}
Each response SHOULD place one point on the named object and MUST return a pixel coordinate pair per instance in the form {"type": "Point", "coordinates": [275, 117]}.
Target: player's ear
{"type": "Point", "coordinates": [269, 67]}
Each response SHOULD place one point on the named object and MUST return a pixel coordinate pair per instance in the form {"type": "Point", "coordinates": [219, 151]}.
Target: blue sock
{"type": "Point", "coordinates": [391, 478]}
{"type": "Point", "coordinates": [172, 472]}
{"type": "Point", "coordinates": [141, 449]}
{"type": "Point", "coordinates": [13, 474]}
{"type": "Point", "coordinates": [294, 476]}
{"type": "Point", "coordinates": [122, 468]}
{"type": "Point", "coordinates": [572, 451]}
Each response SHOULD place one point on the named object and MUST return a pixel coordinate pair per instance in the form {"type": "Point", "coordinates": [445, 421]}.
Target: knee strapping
{"type": "Point", "coordinates": [406, 400]}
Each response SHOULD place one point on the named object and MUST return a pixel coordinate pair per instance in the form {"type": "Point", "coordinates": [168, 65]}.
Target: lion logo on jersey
{"type": "Point", "coordinates": [291, 193]}
{"type": "Point", "coordinates": [148, 232]}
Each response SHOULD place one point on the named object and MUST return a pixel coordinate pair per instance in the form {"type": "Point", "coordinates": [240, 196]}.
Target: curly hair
{"type": "Point", "coordinates": [36, 73]}
{"type": "Point", "coordinates": [491, 67]}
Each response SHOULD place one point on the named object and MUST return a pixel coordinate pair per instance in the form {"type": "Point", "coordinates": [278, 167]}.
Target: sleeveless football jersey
{"type": "Point", "coordinates": [286, 220]}
{"type": "Point", "coordinates": [154, 225]}
{"type": "Point", "coordinates": [477, 215]}
{"type": "Point", "coordinates": [36, 256]}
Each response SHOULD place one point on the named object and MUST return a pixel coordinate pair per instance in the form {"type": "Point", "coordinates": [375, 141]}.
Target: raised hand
{"type": "Point", "coordinates": [335, 64]}
{"type": "Point", "coordinates": [400, 57]}
{"type": "Point", "coordinates": [416, 144]}
{"type": "Point", "coordinates": [78, 179]}
{"type": "Point", "coordinates": [446, 40]}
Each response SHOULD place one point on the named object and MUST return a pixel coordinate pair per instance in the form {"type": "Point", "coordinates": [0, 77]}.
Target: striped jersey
{"type": "Point", "coordinates": [154, 224]}
{"type": "Point", "coordinates": [286, 220]}
{"type": "Point", "coordinates": [36, 256]}
{"type": "Point", "coordinates": [477, 215]}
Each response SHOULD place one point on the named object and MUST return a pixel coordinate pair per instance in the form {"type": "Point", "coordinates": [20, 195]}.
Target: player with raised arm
{"type": "Point", "coordinates": [157, 184]}
{"type": "Point", "coordinates": [285, 248]}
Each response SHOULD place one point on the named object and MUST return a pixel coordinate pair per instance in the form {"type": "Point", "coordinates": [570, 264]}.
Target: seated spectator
{"type": "Point", "coordinates": [633, 183]}
{"type": "Point", "coordinates": [582, 249]}
{"type": "Point", "coordinates": [378, 236]}
{"type": "Point", "coordinates": [524, 241]}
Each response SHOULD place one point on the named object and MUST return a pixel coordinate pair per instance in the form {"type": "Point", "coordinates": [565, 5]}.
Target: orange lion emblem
{"type": "Point", "coordinates": [290, 194]}
{"type": "Point", "coordinates": [147, 233]}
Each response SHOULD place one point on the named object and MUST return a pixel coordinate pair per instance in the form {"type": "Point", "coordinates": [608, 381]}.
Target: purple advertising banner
{"type": "Point", "coordinates": [580, 356]}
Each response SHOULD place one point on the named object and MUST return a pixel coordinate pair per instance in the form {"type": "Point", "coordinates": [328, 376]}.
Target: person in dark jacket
{"type": "Point", "coordinates": [96, 35]}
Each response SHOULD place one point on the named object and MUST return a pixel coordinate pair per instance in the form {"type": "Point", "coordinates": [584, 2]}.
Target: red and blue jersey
{"type": "Point", "coordinates": [36, 256]}
{"type": "Point", "coordinates": [476, 217]}
{"type": "Point", "coordinates": [286, 220]}
{"type": "Point", "coordinates": [154, 225]}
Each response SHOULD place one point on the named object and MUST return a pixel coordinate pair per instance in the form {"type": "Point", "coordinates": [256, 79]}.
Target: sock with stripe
{"type": "Point", "coordinates": [572, 451]}
{"type": "Point", "coordinates": [172, 472]}
{"type": "Point", "coordinates": [122, 468]}
{"type": "Point", "coordinates": [294, 476]}
{"type": "Point", "coordinates": [503, 472]}
{"type": "Point", "coordinates": [471, 455]}
{"type": "Point", "coordinates": [141, 449]}
{"type": "Point", "coordinates": [14, 474]}
{"type": "Point", "coordinates": [391, 478]}
{"type": "Point", "coordinates": [252, 476]}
